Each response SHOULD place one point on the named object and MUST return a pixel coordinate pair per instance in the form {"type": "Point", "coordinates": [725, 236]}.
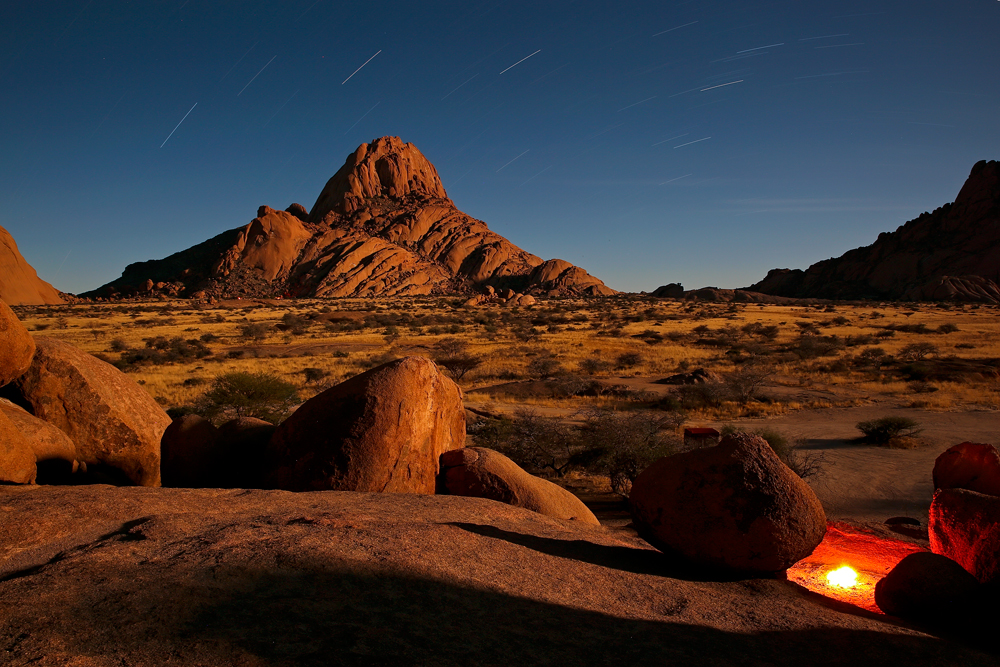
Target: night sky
{"type": "Point", "coordinates": [702, 142]}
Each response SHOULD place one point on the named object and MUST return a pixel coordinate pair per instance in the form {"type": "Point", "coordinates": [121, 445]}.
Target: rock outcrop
{"type": "Point", "coordinates": [103, 576]}
{"type": "Point", "coordinates": [47, 443]}
{"type": "Point", "coordinates": [112, 421]}
{"type": "Point", "coordinates": [974, 466]}
{"type": "Point", "coordinates": [951, 254]}
{"type": "Point", "coordinates": [16, 346]}
{"type": "Point", "coordinates": [734, 507]}
{"type": "Point", "coordinates": [19, 283]}
{"type": "Point", "coordinates": [477, 472]}
{"type": "Point", "coordinates": [965, 527]}
{"type": "Point", "coordinates": [383, 430]}
{"type": "Point", "coordinates": [382, 226]}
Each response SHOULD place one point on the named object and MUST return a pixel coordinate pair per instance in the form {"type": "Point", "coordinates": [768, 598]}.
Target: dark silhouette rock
{"type": "Point", "coordinates": [189, 453]}
{"type": "Point", "coordinates": [383, 430]}
{"type": "Point", "coordinates": [734, 506]}
{"type": "Point", "coordinates": [478, 472]}
{"type": "Point", "coordinates": [244, 442]}
{"type": "Point", "coordinates": [965, 527]}
{"type": "Point", "coordinates": [697, 376]}
{"type": "Point", "coordinates": [926, 586]}
{"type": "Point", "coordinates": [669, 291]}
{"type": "Point", "coordinates": [951, 254]}
{"type": "Point", "coordinates": [973, 466]}
{"type": "Point", "coordinates": [16, 346]}
{"type": "Point", "coordinates": [111, 420]}
{"type": "Point", "coordinates": [382, 226]}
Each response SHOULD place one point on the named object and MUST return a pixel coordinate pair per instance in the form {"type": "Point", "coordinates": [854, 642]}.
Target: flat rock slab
{"type": "Point", "coordinates": [103, 575]}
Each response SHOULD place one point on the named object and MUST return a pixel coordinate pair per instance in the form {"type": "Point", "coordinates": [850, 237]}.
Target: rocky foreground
{"type": "Point", "coordinates": [102, 575]}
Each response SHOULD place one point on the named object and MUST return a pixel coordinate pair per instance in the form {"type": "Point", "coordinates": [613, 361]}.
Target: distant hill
{"type": "Point", "coordinates": [382, 226]}
{"type": "Point", "coordinates": [19, 283]}
{"type": "Point", "coordinates": [952, 254]}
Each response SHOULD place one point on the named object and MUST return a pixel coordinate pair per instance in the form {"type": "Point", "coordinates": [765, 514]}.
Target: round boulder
{"type": "Point", "coordinates": [965, 527]}
{"type": "Point", "coordinates": [54, 452]}
{"type": "Point", "coordinates": [112, 421]}
{"type": "Point", "coordinates": [926, 586]}
{"type": "Point", "coordinates": [189, 453]}
{"type": "Point", "coordinates": [17, 461]}
{"type": "Point", "coordinates": [478, 472]}
{"type": "Point", "coordinates": [16, 346]}
{"type": "Point", "coordinates": [734, 506]}
{"type": "Point", "coordinates": [244, 442]}
{"type": "Point", "coordinates": [383, 430]}
{"type": "Point", "coordinates": [973, 466]}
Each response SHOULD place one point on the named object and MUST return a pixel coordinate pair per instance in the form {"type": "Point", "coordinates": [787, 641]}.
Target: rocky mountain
{"type": "Point", "coordinates": [19, 283]}
{"type": "Point", "coordinates": [951, 254]}
{"type": "Point", "coordinates": [382, 226]}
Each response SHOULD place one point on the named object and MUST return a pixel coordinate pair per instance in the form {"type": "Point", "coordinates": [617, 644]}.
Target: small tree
{"type": "Point", "coordinates": [884, 430]}
{"type": "Point", "coordinates": [623, 444]}
{"type": "Point", "coordinates": [255, 332]}
{"type": "Point", "coordinates": [459, 365]}
{"type": "Point", "coordinates": [745, 383]}
{"type": "Point", "coordinates": [917, 351]}
{"type": "Point", "coordinates": [241, 394]}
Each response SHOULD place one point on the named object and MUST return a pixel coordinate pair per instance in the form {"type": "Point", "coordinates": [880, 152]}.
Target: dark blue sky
{"type": "Point", "coordinates": [810, 127]}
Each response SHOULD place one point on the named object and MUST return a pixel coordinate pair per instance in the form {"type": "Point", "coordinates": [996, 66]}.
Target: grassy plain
{"type": "Point", "coordinates": [926, 356]}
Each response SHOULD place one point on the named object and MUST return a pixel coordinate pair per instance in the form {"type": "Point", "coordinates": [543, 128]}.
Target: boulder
{"type": "Point", "coordinates": [383, 430]}
{"type": "Point", "coordinates": [669, 291]}
{"type": "Point", "coordinates": [46, 441]}
{"type": "Point", "coordinates": [926, 586]}
{"type": "Point", "coordinates": [16, 346]}
{"type": "Point", "coordinates": [734, 506]}
{"type": "Point", "coordinates": [478, 472]}
{"type": "Point", "coordinates": [965, 527]}
{"type": "Point", "coordinates": [973, 466]}
{"type": "Point", "coordinates": [112, 420]}
{"type": "Point", "coordinates": [244, 442]}
{"type": "Point", "coordinates": [189, 456]}
{"type": "Point", "coordinates": [697, 376]}
{"type": "Point", "coordinates": [17, 461]}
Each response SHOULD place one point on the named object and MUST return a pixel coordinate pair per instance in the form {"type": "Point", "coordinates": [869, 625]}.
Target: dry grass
{"type": "Point", "coordinates": [629, 337]}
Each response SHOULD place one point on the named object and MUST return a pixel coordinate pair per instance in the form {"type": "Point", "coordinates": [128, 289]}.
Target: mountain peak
{"type": "Point", "coordinates": [387, 167]}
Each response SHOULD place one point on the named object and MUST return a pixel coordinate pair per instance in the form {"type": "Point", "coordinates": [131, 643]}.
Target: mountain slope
{"type": "Point", "coordinates": [950, 254]}
{"type": "Point", "coordinates": [382, 226]}
{"type": "Point", "coordinates": [19, 283]}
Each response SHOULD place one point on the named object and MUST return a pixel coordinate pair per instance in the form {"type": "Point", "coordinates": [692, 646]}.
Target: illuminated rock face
{"type": "Point", "coordinates": [965, 526]}
{"type": "Point", "coordinates": [734, 506]}
{"type": "Point", "coordinates": [973, 466]}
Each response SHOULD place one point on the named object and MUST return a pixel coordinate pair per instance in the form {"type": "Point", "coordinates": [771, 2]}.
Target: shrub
{"type": "Point", "coordinates": [594, 365]}
{"type": "Point", "coordinates": [623, 444]}
{"type": "Point", "coordinates": [255, 332]}
{"type": "Point", "coordinates": [313, 374]}
{"type": "Point", "coordinates": [531, 441]}
{"type": "Point", "coordinates": [460, 364]}
{"type": "Point", "coordinates": [544, 367]}
{"type": "Point", "coordinates": [241, 394]}
{"type": "Point", "coordinates": [628, 360]}
{"type": "Point", "coordinates": [917, 351]}
{"type": "Point", "coordinates": [947, 328]}
{"type": "Point", "coordinates": [884, 430]}
{"type": "Point", "coordinates": [744, 383]}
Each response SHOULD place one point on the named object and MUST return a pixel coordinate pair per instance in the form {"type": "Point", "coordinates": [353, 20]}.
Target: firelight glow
{"type": "Point", "coordinates": [842, 577]}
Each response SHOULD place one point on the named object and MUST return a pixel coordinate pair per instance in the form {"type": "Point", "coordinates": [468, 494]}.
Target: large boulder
{"type": "Point", "coordinates": [734, 506]}
{"type": "Point", "coordinates": [965, 527]}
{"type": "Point", "coordinates": [244, 442]}
{"type": "Point", "coordinates": [383, 430]}
{"type": "Point", "coordinates": [973, 466]}
{"type": "Point", "coordinates": [112, 421]}
{"type": "Point", "coordinates": [16, 346]}
{"type": "Point", "coordinates": [926, 586]}
{"type": "Point", "coordinates": [478, 472]}
{"type": "Point", "coordinates": [17, 461]}
{"type": "Point", "coordinates": [47, 443]}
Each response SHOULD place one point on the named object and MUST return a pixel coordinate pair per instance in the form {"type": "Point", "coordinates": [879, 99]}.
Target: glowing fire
{"type": "Point", "coordinates": [842, 577]}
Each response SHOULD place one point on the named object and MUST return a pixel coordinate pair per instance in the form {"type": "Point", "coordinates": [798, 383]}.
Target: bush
{"type": "Point", "coordinates": [623, 444]}
{"type": "Point", "coordinates": [240, 394]}
{"type": "Point", "coordinates": [594, 365]}
{"type": "Point", "coordinates": [544, 367]}
{"type": "Point", "coordinates": [460, 364]}
{"type": "Point", "coordinates": [628, 360]}
{"type": "Point", "coordinates": [535, 443]}
{"type": "Point", "coordinates": [917, 351]}
{"type": "Point", "coordinates": [255, 332]}
{"type": "Point", "coordinates": [884, 430]}
{"type": "Point", "coordinates": [744, 383]}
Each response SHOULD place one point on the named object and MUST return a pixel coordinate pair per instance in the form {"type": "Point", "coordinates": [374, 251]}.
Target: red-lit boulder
{"type": "Point", "coordinates": [734, 506]}
{"type": "Point", "coordinates": [383, 430]}
{"type": "Point", "coordinates": [973, 466]}
{"type": "Point", "coordinates": [478, 472]}
{"type": "Point", "coordinates": [926, 586]}
{"type": "Point", "coordinates": [16, 345]}
{"type": "Point", "coordinates": [965, 527]}
{"type": "Point", "coordinates": [112, 421]}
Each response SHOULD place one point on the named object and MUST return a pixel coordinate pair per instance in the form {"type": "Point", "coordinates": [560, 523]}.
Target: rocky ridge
{"type": "Point", "coordinates": [382, 226]}
{"type": "Point", "coordinates": [952, 254]}
{"type": "Point", "coordinates": [19, 283]}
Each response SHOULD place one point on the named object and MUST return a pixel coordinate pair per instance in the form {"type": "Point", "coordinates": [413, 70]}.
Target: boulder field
{"type": "Point", "coordinates": [103, 575]}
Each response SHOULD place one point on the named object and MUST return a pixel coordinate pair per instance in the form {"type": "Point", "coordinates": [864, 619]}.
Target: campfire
{"type": "Point", "coordinates": [848, 563]}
